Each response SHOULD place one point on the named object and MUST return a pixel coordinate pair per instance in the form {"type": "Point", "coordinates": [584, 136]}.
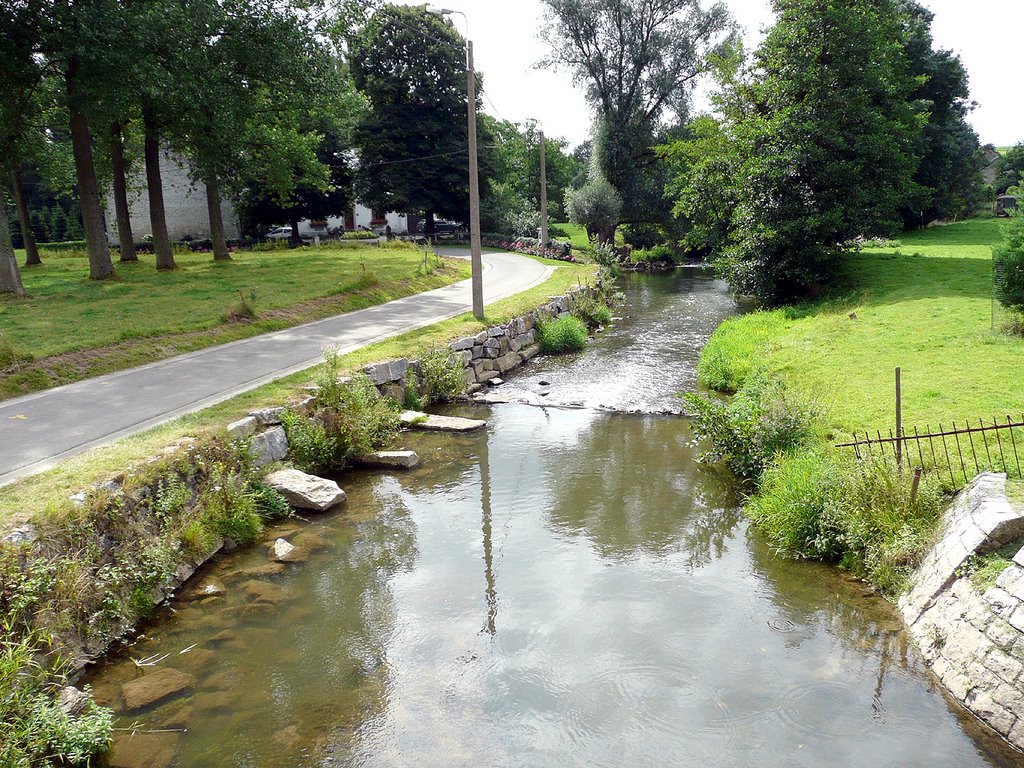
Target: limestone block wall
{"type": "Point", "coordinates": [488, 354]}
{"type": "Point", "coordinates": [974, 642]}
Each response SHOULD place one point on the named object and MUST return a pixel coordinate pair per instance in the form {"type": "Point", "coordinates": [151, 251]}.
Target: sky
{"type": "Point", "coordinates": [985, 33]}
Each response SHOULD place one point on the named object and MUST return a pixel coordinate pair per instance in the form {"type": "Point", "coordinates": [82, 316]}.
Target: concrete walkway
{"type": "Point", "coordinates": [38, 430]}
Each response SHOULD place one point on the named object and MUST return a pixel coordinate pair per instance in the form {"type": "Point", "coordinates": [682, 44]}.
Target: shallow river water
{"type": "Point", "coordinates": [568, 587]}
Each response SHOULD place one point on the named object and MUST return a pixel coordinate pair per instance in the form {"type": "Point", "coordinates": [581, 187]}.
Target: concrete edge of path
{"type": "Point", "coordinates": [145, 424]}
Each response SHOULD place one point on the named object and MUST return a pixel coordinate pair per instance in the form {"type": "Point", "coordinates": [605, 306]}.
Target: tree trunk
{"type": "Point", "coordinates": [154, 186]}
{"type": "Point", "coordinates": [125, 238]}
{"type": "Point", "coordinates": [28, 238]}
{"type": "Point", "coordinates": [296, 239]}
{"type": "Point", "coordinates": [220, 245]}
{"type": "Point", "coordinates": [10, 277]}
{"type": "Point", "coordinates": [100, 265]}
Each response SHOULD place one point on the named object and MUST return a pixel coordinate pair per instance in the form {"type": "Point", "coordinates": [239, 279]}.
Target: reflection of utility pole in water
{"type": "Point", "coordinates": [490, 592]}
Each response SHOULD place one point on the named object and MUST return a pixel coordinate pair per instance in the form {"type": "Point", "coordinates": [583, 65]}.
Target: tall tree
{"type": "Point", "coordinates": [413, 143]}
{"type": "Point", "coordinates": [10, 277]}
{"type": "Point", "coordinates": [27, 238]}
{"type": "Point", "coordinates": [639, 61]}
{"type": "Point", "coordinates": [817, 144]}
{"type": "Point", "coordinates": [951, 157]}
{"type": "Point", "coordinates": [1010, 169]}
{"type": "Point", "coordinates": [119, 184]}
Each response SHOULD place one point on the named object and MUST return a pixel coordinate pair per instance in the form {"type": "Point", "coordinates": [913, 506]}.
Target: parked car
{"type": "Point", "coordinates": [442, 226]}
{"type": "Point", "coordinates": [285, 233]}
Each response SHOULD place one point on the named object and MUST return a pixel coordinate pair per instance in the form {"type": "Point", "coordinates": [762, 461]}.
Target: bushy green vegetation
{"type": "Point", "coordinates": [348, 418]}
{"type": "Point", "coordinates": [564, 334]}
{"type": "Point", "coordinates": [751, 430]}
{"type": "Point", "coordinates": [145, 315]}
{"type": "Point", "coordinates": [929, 313]}
{"type": "Point", "coordinates": [441, 377]}
{"type": "Point", "coordinates": [97, 568]}
{"type": "Point", "coordinates": [592, 309]}
{"type": "Point", "coordinates": [1008, 261]}
{"type": "Point", "coordinates": [36, 730]}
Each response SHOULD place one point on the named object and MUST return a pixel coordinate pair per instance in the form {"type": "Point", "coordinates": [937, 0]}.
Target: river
{"type": "Point", "coordinates": [567, 587]}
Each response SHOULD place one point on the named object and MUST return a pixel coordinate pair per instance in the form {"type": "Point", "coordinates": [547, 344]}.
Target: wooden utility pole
{"type": "Point", "coordinates": [543, 193]}
{"type": "Point", "coordinates": [474, 190]}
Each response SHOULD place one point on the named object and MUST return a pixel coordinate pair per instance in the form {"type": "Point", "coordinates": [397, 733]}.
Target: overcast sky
{"type": "Point", "coordinates": [986, 34]}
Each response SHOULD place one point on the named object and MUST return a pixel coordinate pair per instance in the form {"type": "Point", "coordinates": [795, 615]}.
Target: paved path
{"type": "Point", "coordinates": [40, 429]}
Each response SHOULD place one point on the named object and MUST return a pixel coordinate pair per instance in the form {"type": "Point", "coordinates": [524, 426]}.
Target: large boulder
{"type": "Point", "coordinates": [268, 447]}
{"type": "Point", "coordinates": [304, 491]}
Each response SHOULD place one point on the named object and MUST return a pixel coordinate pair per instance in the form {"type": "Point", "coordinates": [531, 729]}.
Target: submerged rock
{"type": "Point", "coordinates": [390, 459]}
{"type": "Point", "coordinates": [283, 552]}
{"type": "Point", "coordinates": [143, 750]}
{"type": "Point", "coordinates": [210, 587]}
{"type": "Point", "coordinates": [264, 591]}
{"type": "Point", "coordinates": [304, 491]}
{"type": "Point", "coordinates": [155, 687]}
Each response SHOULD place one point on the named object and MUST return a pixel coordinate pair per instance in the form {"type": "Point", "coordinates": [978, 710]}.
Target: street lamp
{"type": "Point", "coordinates": [474, 176]}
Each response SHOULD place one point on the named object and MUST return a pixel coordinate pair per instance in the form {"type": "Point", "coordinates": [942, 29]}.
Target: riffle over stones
{"type": "Point", "coordinates": [974, 642]}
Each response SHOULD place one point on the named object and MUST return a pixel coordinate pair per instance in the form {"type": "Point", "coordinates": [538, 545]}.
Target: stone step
{"type": "Point", "coordinates": [433, 423]}
{"type": "Point", "coordinates": [389, 460]}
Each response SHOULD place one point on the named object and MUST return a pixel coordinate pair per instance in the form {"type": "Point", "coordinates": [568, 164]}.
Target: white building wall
{"type": "Point", "coordinates": [184, 205]}
{"type": "Point", "coordinates": [185, 208]}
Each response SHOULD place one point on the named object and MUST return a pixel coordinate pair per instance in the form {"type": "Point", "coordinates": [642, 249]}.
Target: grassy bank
{"type": "Point", "coordinates": [48, 491]}
{"type": "Point", "coordinates": [72, 328]}
{"type": "Point", "coordinates": [924, 305]}
{"type": "Point", "coordinates": [808, 376]}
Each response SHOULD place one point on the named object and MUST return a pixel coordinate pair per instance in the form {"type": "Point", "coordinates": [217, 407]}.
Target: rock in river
{"type": "Point", "coordinates": [155, 687]}
{"type": "Point", "coordinates": [306, 491]}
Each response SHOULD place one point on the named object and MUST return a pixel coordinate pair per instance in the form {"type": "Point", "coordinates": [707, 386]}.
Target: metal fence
{"type": "Point", "coordinates": [959, 451]}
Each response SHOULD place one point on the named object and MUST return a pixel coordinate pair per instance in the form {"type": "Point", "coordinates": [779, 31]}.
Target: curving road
{"type": "Point", "coordinates": [40, 429]}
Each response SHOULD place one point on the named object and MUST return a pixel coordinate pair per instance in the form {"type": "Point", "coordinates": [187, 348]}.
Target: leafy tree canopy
{"type": "Point", "coordinates": [412, 141]}
{"type": "Point", "coordinates": [639, 61]}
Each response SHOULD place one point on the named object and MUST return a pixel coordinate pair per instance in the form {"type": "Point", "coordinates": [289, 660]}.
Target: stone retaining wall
{"type": "Point", "coordinates": [490, 353]}
{"type": "Point", "coordinates": [974, 641]}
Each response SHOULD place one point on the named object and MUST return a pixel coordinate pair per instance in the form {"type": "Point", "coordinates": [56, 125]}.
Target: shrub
{"type": "Point", "coordinates": [854, 513]}
{"type": "Point", "coordinates": [591, 310]}
{"type": "Point", "coordinates": [310, 448]}
{"type": "Point", "coordinates": [654, 254]}
{"type": "Point", "coordinates": [36, 730]}
{"type": "Point", "coordinates": [762, 421]}
{"type": "Point", "coordinates": [349, 417]}
{"type": "Point", "coordinates": [1008, 265]}
{"type": "Point", "coordinates": [565, 334]}
{"type": "Point", "coordinates": [442, 376]}
{"type": "Point", "coordinates": [230, 507]}
{"type": "Point", "coordinates": [797, 506]}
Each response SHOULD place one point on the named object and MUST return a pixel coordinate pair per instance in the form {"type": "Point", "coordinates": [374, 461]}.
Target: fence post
{"type": "Point", "coordinates": [914, 485]}
{"type": "Point", "coordinates": [899, 420]}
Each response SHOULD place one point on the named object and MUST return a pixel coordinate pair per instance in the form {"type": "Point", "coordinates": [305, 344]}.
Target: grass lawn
{"type": "Point", "coordinates": [71, 328]}
{"type": "Point", "coordinates": [577, 235]}
{"type": "Point", "coordinates": [924, 306]}
{"type": "Point", "coordinates": [48, 491]}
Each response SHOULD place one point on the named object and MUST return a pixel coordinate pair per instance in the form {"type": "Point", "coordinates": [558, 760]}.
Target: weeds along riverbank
{"type": "Point", "coordinates": [88, 567]}
{"type": "Point", "coordinates": [806, 377]}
